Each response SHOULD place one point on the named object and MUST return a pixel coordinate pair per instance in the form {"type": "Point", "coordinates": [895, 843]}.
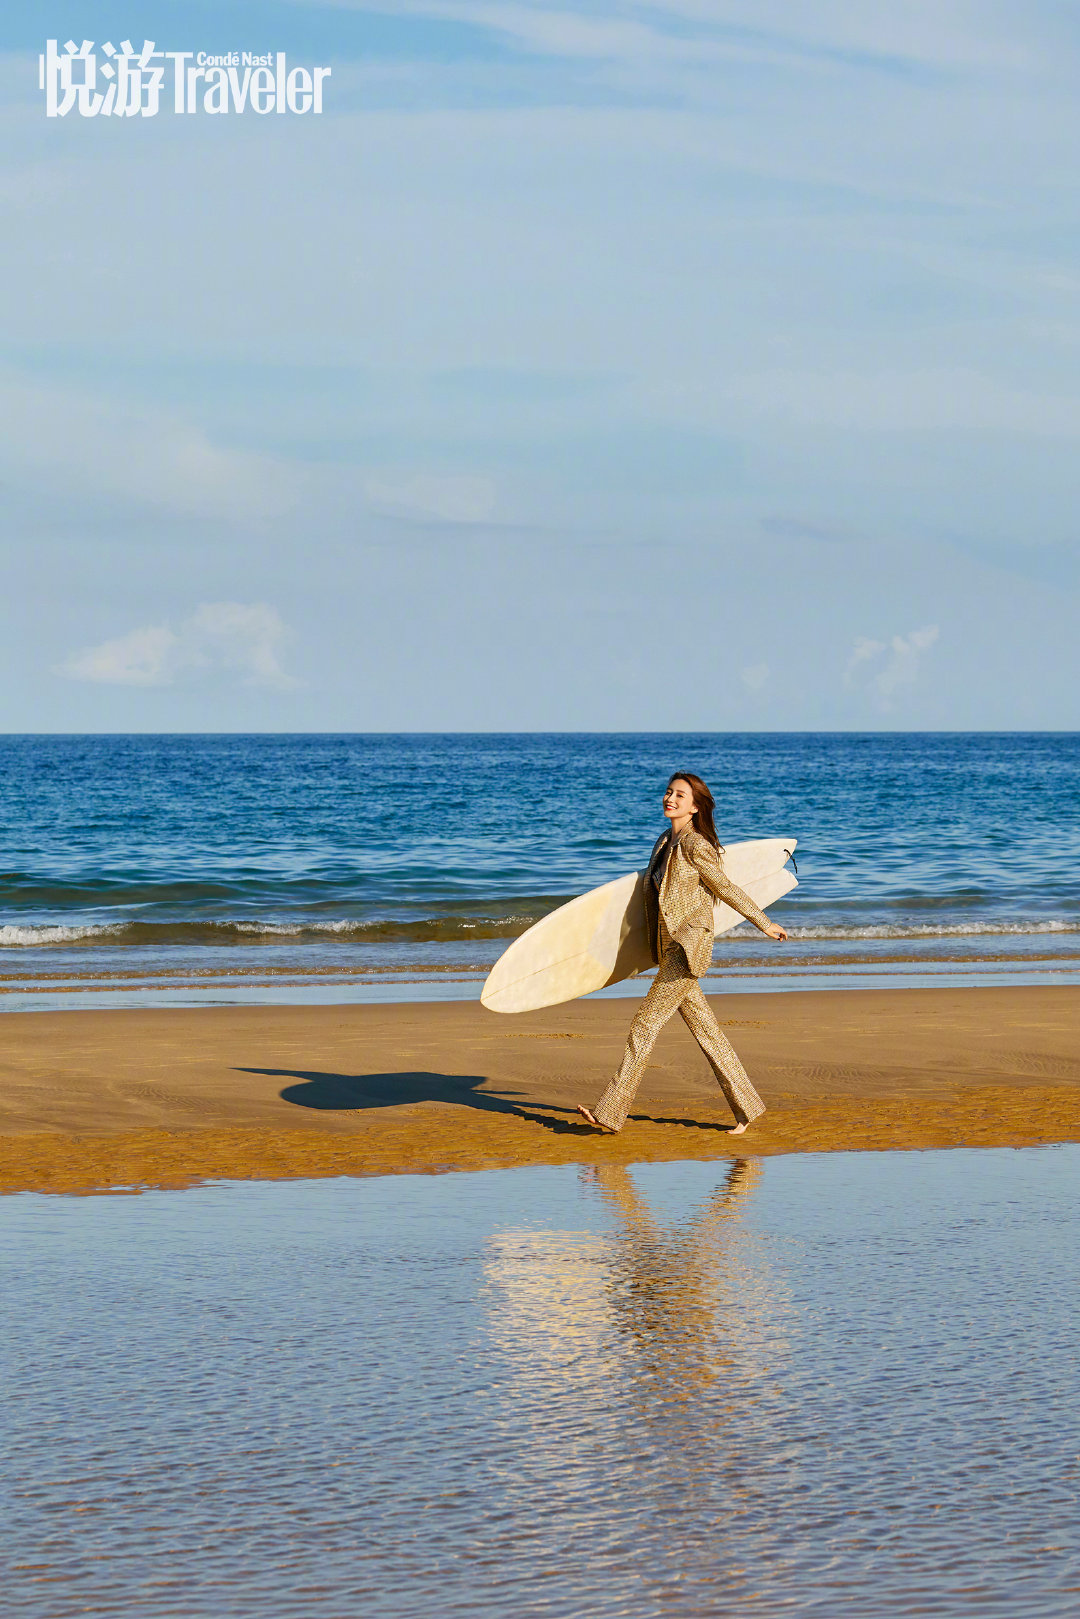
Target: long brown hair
{"type": "Point", "coordinates": [703, 799]}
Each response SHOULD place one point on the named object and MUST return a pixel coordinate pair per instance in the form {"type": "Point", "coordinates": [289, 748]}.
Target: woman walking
{"type": "Point", "coordinates": [685, 875]}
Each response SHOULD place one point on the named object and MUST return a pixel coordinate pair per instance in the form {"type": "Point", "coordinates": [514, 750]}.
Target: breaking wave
{"type": "Point", "coordinates": [11, 934]}
{"type": "Point", "coordinates": [427, 930]}
{"type": "Point", "coordinates": [452, 930]}
{"type": "Point", "coordinates": [931, 930]}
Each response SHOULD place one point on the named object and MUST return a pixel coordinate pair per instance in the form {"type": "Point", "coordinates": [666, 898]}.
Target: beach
{"type": "Point", "coordinates": [296, 1357]}
{"type": "Point", "coordinates": [169, 1097]}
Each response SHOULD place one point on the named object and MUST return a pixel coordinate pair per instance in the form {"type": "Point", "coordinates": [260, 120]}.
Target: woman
{"type": "Point", "coordinates": [685, 875]}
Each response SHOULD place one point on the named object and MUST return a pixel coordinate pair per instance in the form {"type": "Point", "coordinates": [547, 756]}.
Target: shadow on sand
{"type": "Point", "coordinates": [352, 1093]}
{"type": "Point", "coordinates": [689, 1124]}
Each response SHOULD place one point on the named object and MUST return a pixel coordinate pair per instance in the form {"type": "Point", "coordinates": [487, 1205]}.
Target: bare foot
{"type": "Point", "coordinates": [590, 1118]}
{"type": "Point", "coordinates": [736, 1129]}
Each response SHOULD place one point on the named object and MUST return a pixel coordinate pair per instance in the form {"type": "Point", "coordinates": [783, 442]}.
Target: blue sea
{"type": "Point", "coordinates": [173, 870]}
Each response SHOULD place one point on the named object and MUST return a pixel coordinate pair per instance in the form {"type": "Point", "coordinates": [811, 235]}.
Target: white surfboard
{"type": "Point", "coordinates": [601, 937]}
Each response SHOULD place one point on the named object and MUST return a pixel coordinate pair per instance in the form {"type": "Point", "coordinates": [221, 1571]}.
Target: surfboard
{"type": "Point", "coordinates": [601, 938]}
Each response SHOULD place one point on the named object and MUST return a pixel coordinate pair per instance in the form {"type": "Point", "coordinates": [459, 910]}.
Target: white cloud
{"type": "Point", "coordinates": [901, 667]}
{"type": "Point", "coordinates": [448, 497]}
{"type": "Point", "coordinates": [141, 658]}
{"type": "Point", "coordinates": [246, 638]}
{"type": "Point", "coordinates": [754, 676]}
{"type": "Point", "coordinates": [218, 635]}
{"type": "Point", "coordinates": [863, 650]}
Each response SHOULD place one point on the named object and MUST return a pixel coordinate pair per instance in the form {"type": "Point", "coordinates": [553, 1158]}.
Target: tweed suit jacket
{"type": "Point", "coordinates": [694, 877]}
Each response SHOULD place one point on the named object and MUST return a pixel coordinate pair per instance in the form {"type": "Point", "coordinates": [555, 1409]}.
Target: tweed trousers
{"type": "Point", "coordinates": [675, 989]}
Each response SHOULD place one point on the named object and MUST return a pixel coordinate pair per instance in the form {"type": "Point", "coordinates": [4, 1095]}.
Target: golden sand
{"type": "Point", "coordinates": [102, 1099]}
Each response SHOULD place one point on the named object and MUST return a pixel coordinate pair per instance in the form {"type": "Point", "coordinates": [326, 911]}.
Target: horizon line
{"type": "Point", "coordinates": [894, 731]}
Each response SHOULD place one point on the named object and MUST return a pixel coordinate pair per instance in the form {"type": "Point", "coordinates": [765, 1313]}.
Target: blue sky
{"type": "Point", "coordinates": [688, 364]}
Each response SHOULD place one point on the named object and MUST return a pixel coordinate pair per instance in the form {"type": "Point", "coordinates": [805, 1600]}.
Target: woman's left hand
{"type": "Point", "coordinates": [775, 931]}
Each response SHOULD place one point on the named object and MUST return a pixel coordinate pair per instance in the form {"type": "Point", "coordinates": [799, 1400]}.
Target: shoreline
{"type": "Point", "coordinates": [282, 971]}
{"type": "Point", "coordinates": [202, 988]}
{"type": "Point", "coordinates": [92, 1100]}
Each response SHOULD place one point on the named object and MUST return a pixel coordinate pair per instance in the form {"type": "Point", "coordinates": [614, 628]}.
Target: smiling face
{"type": "Point", "coordinates": [679, 803]}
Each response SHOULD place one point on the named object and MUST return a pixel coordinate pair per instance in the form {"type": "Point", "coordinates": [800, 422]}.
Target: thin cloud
{"type": "Point", "coordinates": [144, 657]}
{"type": "Point", "coordinates": [244, 638]}
{"type": "Point", "coordinates": [903, 665]}
{"type": "Point", "coordinates": [863, 650]}
{"type": "Point", "coordinates": [927, 33]}
{"type": "Point", "coordinates": [75, 442]}
{"type": "Point", "coordinates": [902, 654]}
{"type": "Point", "coordinates": [899, 400]}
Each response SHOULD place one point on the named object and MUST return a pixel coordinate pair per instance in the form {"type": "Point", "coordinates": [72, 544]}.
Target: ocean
{"type": "Point", "coordinates": [181, 870]}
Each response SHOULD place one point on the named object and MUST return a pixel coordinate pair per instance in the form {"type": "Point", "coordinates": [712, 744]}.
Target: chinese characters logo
{"type": "Point", "coordinates": [130, 83]}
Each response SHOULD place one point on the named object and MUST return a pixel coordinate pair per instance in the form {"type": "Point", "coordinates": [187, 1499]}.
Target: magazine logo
{"type": "Point", "coordinates": [127, 83]}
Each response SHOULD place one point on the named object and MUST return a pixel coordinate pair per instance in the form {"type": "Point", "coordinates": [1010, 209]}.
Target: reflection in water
{"type": "Point", "coordinates": [654, 1316]}
{"type": "Point", "coordinates": [683, 1296]}
{"type": "Point", "coordinates": [666, 1332]}
{"type": "Point", "coordinates": [845, 1385]}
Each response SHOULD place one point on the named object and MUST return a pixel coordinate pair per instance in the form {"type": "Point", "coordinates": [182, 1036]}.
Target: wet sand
{"type": "Point", "coordinates": [164, 1098]}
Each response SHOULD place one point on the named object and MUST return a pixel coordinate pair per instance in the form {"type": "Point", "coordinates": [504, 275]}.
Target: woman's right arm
{"type": "Point", "coordinates": [716, 880]}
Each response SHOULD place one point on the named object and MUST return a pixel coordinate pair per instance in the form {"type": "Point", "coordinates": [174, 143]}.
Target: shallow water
{"type": "Point", "coordinates": [810, 1385]}
{"type": "Point", "coordinates": [111, 984]}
